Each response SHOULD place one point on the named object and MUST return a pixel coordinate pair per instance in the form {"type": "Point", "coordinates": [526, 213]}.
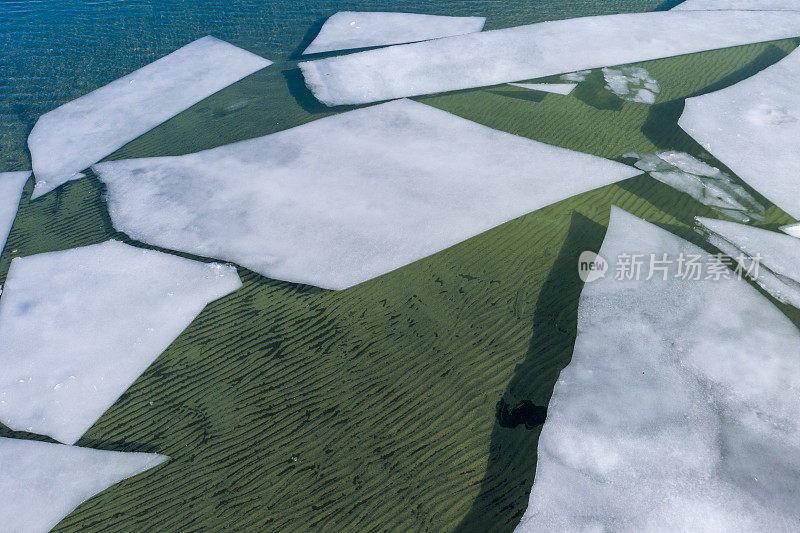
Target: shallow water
{"type": "Point", "coordinates": [286, 407]}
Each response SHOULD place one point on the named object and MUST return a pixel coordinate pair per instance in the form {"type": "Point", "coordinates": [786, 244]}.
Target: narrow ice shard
{"type": "Point", "coordinates": [679, 409]}
{"type": "Point", "coordinates": [72, 137]}
{"type": "Point", "coordinates": [42, 483]}
{"type": "Point", "coordinates": [771, 259]}
{"type": "Point", "coordinates": [11, 185]}
{"type": "Point", "coordinates": [346, 198]}
{"type": "Point", "coordinates": [535, 51]}
{"type": "Point", "coordinates": [761, 5]}
{"type": "Point", "coordinates": [557, 88]}
{"type": "Point", "coordinates": [77, 327]}
{"type": "Point", "coordinates": [633, 84]}
{"type": "Point", "coordinates": [347, 30]}
{"type": "Point", "coordinates": [753, 128]}
{"type": "Point", "coordinates": [791, 229]}
{"type": "Point", "coordinates": [706, 184]}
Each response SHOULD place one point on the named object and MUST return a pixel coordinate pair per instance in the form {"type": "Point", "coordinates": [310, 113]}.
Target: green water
{"type": "Point", "coordinates": [289, 408]}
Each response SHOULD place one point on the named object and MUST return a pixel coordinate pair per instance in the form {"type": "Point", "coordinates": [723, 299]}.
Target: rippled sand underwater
{"type": "Point", "coordinates": [287, 407]}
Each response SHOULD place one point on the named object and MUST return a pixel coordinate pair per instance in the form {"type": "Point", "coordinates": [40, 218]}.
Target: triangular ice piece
{"type": "Point", "coordinates": [83, 131]}
{"type": "Point", "coordinates": [346, 198]}
{"type": "Point", "coordinates": [42, 483]}
{"type": "Point", "coordinates": [679, 409]}
{"type": "Point", "coordinates": [535, 51]}
{"type": "Point", "coordinates": [77, 327]}
{"type": "Point", "coordinates": [347, 30]}
{"type": "Point", "coordinates": [11, 185]}
{"type": "Point", "coordinates": [556, 88]}
{"type": "Point", "coordinates": [771, 259]}
{"type": "Point", "coordinates": [753, 127]}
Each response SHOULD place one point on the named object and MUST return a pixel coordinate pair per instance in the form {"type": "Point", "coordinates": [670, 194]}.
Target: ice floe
{"type": "Point", "coordinates": [346, 198]}
{"type": "Point", "coordinates": [42, 483]}
{"type": "Point", "coordinates": [534, 51]}
{"type": "Point", "coordinates": [11, 185]}
{"type": "Point", "coordinates": [633, 84]}
{"type": "Point", "coordinates": [70, 138]}
{"type": "Point", "coordinates": [557, 88]}
{"type": "Point", "coordinates": [679, 409]}
{"type": "Point", "coordinates": [771, 259]}
{"type": "Point", "coordinates": [78, 326]}
{"type": "Point", "coordinates": [753, 128]}
{"type": "Point", "coordinates": [347, 30]}
{"type": "Point", "coordinates": [706, 184]}
{"type": "Point", "coordinates": [760, 5]}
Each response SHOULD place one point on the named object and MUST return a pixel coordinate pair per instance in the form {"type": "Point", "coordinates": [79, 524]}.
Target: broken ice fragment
{"type": "Point", "coordinates": [534, 51]}
{"type": "Point", "coordinates": [347, 30]}
{"type": "Point", "coordinates": [679, 408]}
{"type": "Point", "coordinates": [576, 77]}
{"type": "Point", "coordinates": [42, 483]}
{"type": "Point", "coordinates": [78, 326]}
{"type": "Point", "coordinates": [771, 259]}
{"type": "Point", "coordinates": [706, 184]}
{"type": "Point", "coordinates": [633, 84]}
{"type": "Point", "coordinates": [70, 138]}
{"type": "Point", "coordinates": [557, 88]}
{"type": "Point", "coordinates": [346, 198]}
{"type": "Point", "coordinates": [11, 185]}
{"type": "Point", "coordinates": [753, 128]}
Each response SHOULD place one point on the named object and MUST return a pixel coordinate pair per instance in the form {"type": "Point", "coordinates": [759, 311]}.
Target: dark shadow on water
{"type": "Point", "coordinates": [525, 412]}
{"type": "Point", "coordinates": [592, 92]}
{"type": "Point", "coordinates": [661, 127]}
{"type": "Point", "coordinates": [24, 435]}
{"type": "Point", "coordinates": [504, 490]}
{"type": "Point", "coordinates": [302, 94]}
{"type": "Point", "coordinates": [311, 34]}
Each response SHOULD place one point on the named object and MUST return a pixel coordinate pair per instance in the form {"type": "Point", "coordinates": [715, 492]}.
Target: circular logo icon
{"type": "Point", "coordinates": [591, 266]}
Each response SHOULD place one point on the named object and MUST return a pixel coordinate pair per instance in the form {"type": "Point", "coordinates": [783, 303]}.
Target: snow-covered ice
{"type": "Point", "coordinates": [753, 128]}
{"type": "Point", "coordinates": [11, 185]}
{"type": "Point", "coordinates": [347, 30]}
{"type": "Point", "coordinates": [42, 483]}
{"type": "Point", "coordinates": [535, 51]}
{"type": "Point", "coordinates": [557, 88]}
{"type": "Point", "coordinates": [70, 138]}
{"type": "Point", "coordinates": [706, 184]}
{"type": "Point", "coordinates": [346, 198]}
{"type": "Point", "coordinates": [772, 259]}
{"type": "Point", "coordinates": [77, 327]}
{"type": "Point", "coordinates": [768, 5]}
{"type": "Point", "coordinates": [679, 409]}
{"type": "Point", "coordinates": [633, 84]}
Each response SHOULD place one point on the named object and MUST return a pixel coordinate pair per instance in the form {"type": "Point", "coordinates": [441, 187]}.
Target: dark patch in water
{"type": "Point", "coordinates": [525, 412]}
{"type": "Point", "coordinates": [669, 4]}
{"type": "Point", "coordinates": [592, 92]}
{"type": "Point", "coordinates": [505, 488]}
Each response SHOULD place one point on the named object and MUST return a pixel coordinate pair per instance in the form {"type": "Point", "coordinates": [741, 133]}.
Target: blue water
{"type": "Point", "coordinates": [57, 50]}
